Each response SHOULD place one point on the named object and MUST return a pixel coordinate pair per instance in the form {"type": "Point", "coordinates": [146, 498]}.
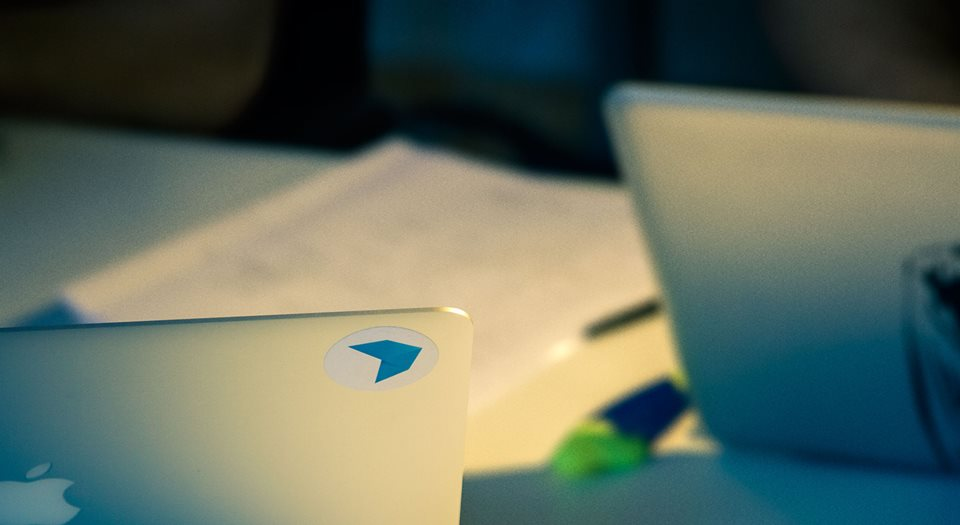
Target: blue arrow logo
{"type": "Point", "coordinates": [394, 357]}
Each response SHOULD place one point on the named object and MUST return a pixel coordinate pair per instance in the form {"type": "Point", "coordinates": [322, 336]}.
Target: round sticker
{"type": "Point", "coordinates": [381, 358]}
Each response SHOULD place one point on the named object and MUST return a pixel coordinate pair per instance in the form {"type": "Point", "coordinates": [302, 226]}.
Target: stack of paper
{"type": "Point", "coordinates": [532, 260]}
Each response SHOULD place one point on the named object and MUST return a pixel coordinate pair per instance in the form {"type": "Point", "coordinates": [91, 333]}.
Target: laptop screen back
{"type": "Point", "coordinates": [781, 229]}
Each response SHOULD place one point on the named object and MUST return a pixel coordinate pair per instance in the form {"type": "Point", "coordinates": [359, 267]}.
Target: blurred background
{"type": "Point", "coordinates": [517, 82]}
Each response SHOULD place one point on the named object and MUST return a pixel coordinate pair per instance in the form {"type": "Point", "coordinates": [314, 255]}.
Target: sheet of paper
{"type": "Point", "coordinates": [532, 260]}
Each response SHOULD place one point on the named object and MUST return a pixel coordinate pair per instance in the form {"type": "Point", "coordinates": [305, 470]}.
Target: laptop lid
{"type": "Point", "coordinates": [799, 243]}
{"type": "Point", "coordinates": [323, 418]}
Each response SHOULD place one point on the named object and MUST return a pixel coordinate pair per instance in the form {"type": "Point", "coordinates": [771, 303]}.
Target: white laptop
{"type": "Point", "coordinates": [325, 418]}
{"type": "Point", "coordinates": [809, 252]}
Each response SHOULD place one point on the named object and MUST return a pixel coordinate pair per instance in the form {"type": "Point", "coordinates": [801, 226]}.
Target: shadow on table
{"type": "Point", "coordinates": [734, 487]}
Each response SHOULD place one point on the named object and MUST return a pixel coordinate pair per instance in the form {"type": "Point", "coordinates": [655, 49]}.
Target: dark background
{"type": "Point", "coordinates": [519, 82]}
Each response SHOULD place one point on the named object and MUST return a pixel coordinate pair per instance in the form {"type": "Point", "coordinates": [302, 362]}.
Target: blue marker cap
{"type": "Point", "coordinates": [648, 412]}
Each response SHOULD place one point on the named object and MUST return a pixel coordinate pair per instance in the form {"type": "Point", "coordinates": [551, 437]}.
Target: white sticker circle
{"type": "Point", "coordinates": [381, 358]}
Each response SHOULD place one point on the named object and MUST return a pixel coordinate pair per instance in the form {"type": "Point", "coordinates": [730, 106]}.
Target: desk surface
{"type": "Point", "coordinates": [62, 189]}
{"type": "Point", "coordinates": [690, 480]}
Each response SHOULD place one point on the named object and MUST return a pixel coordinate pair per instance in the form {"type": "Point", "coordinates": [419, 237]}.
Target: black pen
{"type": "Point", "coordinates": [622, 318]}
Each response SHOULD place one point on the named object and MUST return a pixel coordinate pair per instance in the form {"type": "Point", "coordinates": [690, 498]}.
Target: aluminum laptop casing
{"type": "Point", "coordinates": [782, 229]}
{"type": "Point", "coordinates": [235, 421]}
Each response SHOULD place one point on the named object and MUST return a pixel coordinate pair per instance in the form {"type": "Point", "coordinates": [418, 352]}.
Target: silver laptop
{"type": "Point", "coordinates": [326, 418]}
{"type": "Point", "coordinates": [809, 252]}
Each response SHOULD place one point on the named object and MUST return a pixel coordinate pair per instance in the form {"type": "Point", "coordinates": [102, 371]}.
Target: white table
{"type": "Point", "coordinates": [73, 200]}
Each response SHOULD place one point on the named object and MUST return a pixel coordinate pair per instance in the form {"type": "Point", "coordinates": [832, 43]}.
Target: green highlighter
{"type": "Point", "coordinates": [619, 437]}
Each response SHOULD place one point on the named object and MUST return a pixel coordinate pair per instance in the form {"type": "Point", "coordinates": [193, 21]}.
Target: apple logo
{"type": "Point", "coordinates": [35, 502]}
